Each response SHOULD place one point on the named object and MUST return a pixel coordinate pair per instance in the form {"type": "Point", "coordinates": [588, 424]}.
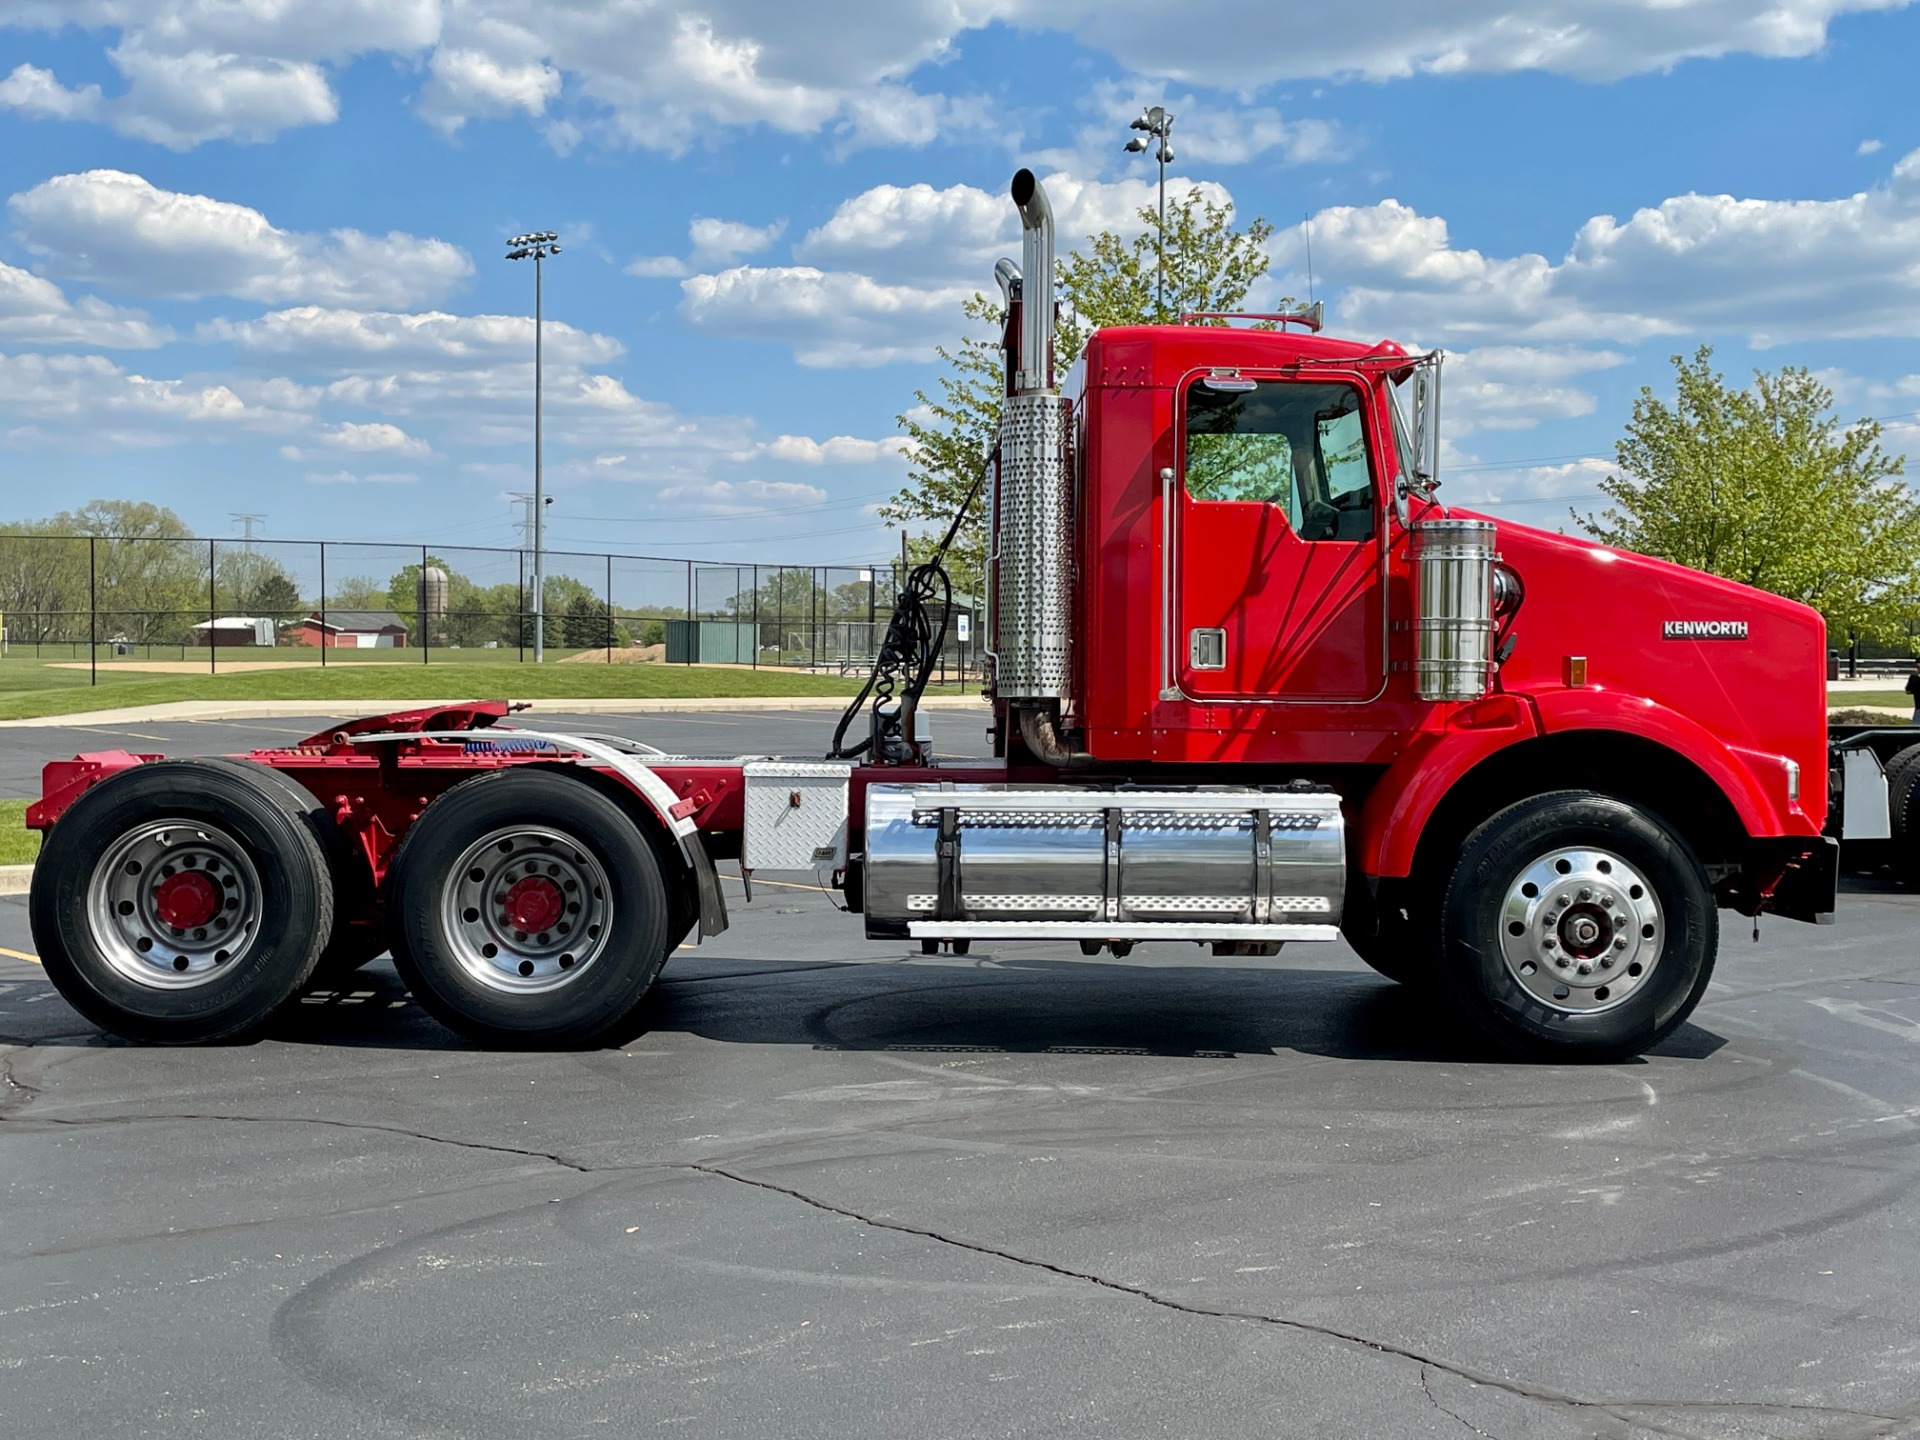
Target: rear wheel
{"type": "Point", "coordinates": [356, 938]}
{"type": "Point", "coordinates": [529, 910]}
{"type": "Point", "coordinates": [181, 901]}
{"type": "Point", "coordinates": [1577, 926]}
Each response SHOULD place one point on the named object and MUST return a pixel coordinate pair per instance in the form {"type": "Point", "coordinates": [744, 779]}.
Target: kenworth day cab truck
{"type": "Point", "coordinates": [1251, 685]}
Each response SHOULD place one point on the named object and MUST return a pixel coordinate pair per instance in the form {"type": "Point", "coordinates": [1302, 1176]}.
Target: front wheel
{"type": "Point", "coordinates": [1579, 927]}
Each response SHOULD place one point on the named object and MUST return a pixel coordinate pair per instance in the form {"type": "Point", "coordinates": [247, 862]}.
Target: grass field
{"type": "Point", "coordinates": [18, 845]}
{"type": "Point", "coordinates": [1846, 699]}
{"type": "Point", "coordinates": [30, 688]}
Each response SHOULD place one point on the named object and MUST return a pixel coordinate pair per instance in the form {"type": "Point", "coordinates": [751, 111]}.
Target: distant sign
{"type": "Point", "coordinates": [964, 623]}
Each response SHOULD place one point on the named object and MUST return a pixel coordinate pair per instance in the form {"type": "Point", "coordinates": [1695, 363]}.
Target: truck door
{"type": "Point", "coordinates": [1278, 543]}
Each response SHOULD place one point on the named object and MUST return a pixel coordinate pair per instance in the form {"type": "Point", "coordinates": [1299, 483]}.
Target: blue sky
{"type": "Point", "coordinates": [250, 257]}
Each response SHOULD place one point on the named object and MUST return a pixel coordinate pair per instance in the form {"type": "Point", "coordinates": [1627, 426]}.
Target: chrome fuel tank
{"type": "Point", "coordinates": [1045, 862]}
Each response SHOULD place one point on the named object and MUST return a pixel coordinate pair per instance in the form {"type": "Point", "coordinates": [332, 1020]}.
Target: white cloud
{"type": "Point", "coordinates": [888, 271]}
{"type": "Point", "coordinates": [375, 437]}
{"type": "Point", "coordinates": [109, 227]}
{"type": "Point", "coordinates": [1869, 147]}
{"type": "Point", "coordinates": [952, 236]}
{"type": "Point", "coordinates": [742, 497]}
{"type": "Point", "coordinates": [1766, 270]}
{"type": "Point", "coordinates": [38, 95]}
{"type": "Point", "coordinates": [659, 267]}
{"type": "Point", "coordinates": [359, 339]}
{"type": "Point", "coordinates": [1515, 387]}
{"type": "Point", "coordinates": [34, 311]}
{"type": "Point", "coordinates": [667, 73]}
{"type": "Point", "coordinates": [195, 71]}
{"type": "Point", "coordinates": [1210, 132]}
{"type": "Point", "coordinates": [722, 242]}
{"type": "Point", "coordinates": [838, 450]}
{"type": "Point", "coordinates": [830, 318]}
{"type": "Point", "coordinates": [1386, 39]}
{"type": "Point", "coordinates": [181, 101]}
{"type": "Point", "coordinates": [715, 243]}
{"type": "Point", "coordinates": [506, 75]}
{"type": "Point", "coordinates": [1500, 485]}
{"type": "Point", "coordinates": [90, 403]}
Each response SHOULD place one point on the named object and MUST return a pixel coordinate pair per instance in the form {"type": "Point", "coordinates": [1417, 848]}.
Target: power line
{"type": "Point", "coordinates": [735, 540]}
{"type": "Point", "coordinates": [843, 504]}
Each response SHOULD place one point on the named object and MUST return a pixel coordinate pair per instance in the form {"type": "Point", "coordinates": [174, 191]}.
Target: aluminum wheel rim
{"type": "Point", "coordinates": [174, 904]}
{"type": "Point", "coordinates": [1581, 930]}
{"type": "Point", "coordinates": [526, 909]}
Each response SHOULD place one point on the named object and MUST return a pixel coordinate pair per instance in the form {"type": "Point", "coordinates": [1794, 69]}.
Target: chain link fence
{"type": "Point", "coordinates": [213, 603]}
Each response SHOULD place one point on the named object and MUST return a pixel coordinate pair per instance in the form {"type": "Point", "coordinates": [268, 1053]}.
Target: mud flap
{"type": "Point", "coordinates": [713, 904]}
{"type": "Point", "coordinates": [1809, 888]}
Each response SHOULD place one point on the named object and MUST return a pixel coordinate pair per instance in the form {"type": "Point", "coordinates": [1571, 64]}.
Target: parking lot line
{"type": "Point", "coordinates": [19, 955]}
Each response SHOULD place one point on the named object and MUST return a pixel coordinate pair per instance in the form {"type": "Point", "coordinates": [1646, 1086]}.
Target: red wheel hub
{"type": "Point", "coordinates": [186, 900]}
{"type": "Point", "coordinates": [534, 903]}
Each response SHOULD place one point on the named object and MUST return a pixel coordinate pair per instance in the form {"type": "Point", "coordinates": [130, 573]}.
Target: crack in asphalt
{"type": "Point", "coordinates": [1539, 1394]}
{"type": "Point", "coordinates": [1427, 1391]}
{"type": "Point", "coordinates": [103, 1121]}
{"type": "Point", "coordinates": [17, 1091]}
{"type": "Point", "coordinates": [1611, 1409]}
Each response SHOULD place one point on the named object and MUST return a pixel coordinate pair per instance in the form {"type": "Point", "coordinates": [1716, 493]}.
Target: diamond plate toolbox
{"type": "Point", "coordinates": [796, 815]}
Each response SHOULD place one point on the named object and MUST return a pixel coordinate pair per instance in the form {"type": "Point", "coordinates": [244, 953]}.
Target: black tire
{"type": "Point", "coordinates": [1658, 934]}
{"type": "Point", "coordinates": [605, 863]}
{"type": "Point", "coordinates": [349, 946]}
{"type": "Point", "coordinates": [1903, 813]}
{"type": "Point", "coordinates": [91, 951]}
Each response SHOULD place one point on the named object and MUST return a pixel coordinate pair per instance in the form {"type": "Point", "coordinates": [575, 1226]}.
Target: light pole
{"type": "Point", "coordinates": [537, 246]}
{"type": "Point", "coordinates": [1157, 122]}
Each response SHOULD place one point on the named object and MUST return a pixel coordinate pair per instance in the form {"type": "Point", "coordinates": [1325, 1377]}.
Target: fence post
{"type": "Point", "coordinates": [213, 605]}
{"type": "Point", "coordinates": [687, 649]}
{"type": "Point", "coordinates": [756, 617]}
{"type": "Point", "coordinates": [609, 609]}
{"type": "Point", "coordinates": [323, 605]}
{"type": "Point", "coordinates": [93, 616]}
{"type": "Point", "coordinates": [520, 611]}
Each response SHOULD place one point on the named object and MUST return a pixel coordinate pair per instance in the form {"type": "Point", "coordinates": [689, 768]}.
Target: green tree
{"type": "Point", "coordinates": [586, 623]}
{"type": "Point", "coordinates": [1211, 265]}
{"type": "Point", "coordinates": [150, 577]}
{"type": "Point", "coordinates": [357, 592]}
{"type": "Point", "coordinates": [1767, 487]}
{"type": "Point", "coordinates": [43, 583]}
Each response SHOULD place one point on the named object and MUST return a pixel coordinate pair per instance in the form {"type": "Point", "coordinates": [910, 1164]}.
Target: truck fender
{"type": "Point", "coordinates": [659, 797]}
{"type": "Point", "coordinates": [1757, 793]}
{"type": "Point", "coordinates": [636, 778]}
{"type": "Point", "coordinates": [1399, 805]}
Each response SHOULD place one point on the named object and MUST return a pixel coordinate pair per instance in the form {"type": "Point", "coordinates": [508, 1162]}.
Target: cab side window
{"type": "Point", "coordinates": [1296, 445]}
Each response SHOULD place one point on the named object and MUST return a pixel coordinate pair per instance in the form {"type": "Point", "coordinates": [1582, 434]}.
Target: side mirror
{"type": "Point", "coordinates": [1426, 421]}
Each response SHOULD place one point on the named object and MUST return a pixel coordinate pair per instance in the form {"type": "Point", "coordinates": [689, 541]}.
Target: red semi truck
{"type": "Point", "coordinates": [1251, 684]}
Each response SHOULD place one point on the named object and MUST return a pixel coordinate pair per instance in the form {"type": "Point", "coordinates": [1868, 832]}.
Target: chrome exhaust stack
{"type": "Point", "coordinates": [1035, 371]}
{"type": "Point", "coordinates": [1033, 543]}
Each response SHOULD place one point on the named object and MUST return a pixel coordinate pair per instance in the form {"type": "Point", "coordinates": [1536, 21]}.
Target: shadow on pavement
{"type": "Point", "coordinates": [1029, 1006]}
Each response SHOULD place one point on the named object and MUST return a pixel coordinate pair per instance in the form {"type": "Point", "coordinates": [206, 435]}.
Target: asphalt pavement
{"type": "Point", "coordinates": [25, 750]}
{"type": "Point", "coordinates": [842, 1190]}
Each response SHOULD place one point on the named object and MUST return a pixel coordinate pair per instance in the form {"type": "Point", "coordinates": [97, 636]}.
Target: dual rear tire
{"type": "Point", "coordinates": [183, 901]}
{"type": "Point", "coordinates": [187, 901]}
{"type": "Point", "coordinates": [529, 910]}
